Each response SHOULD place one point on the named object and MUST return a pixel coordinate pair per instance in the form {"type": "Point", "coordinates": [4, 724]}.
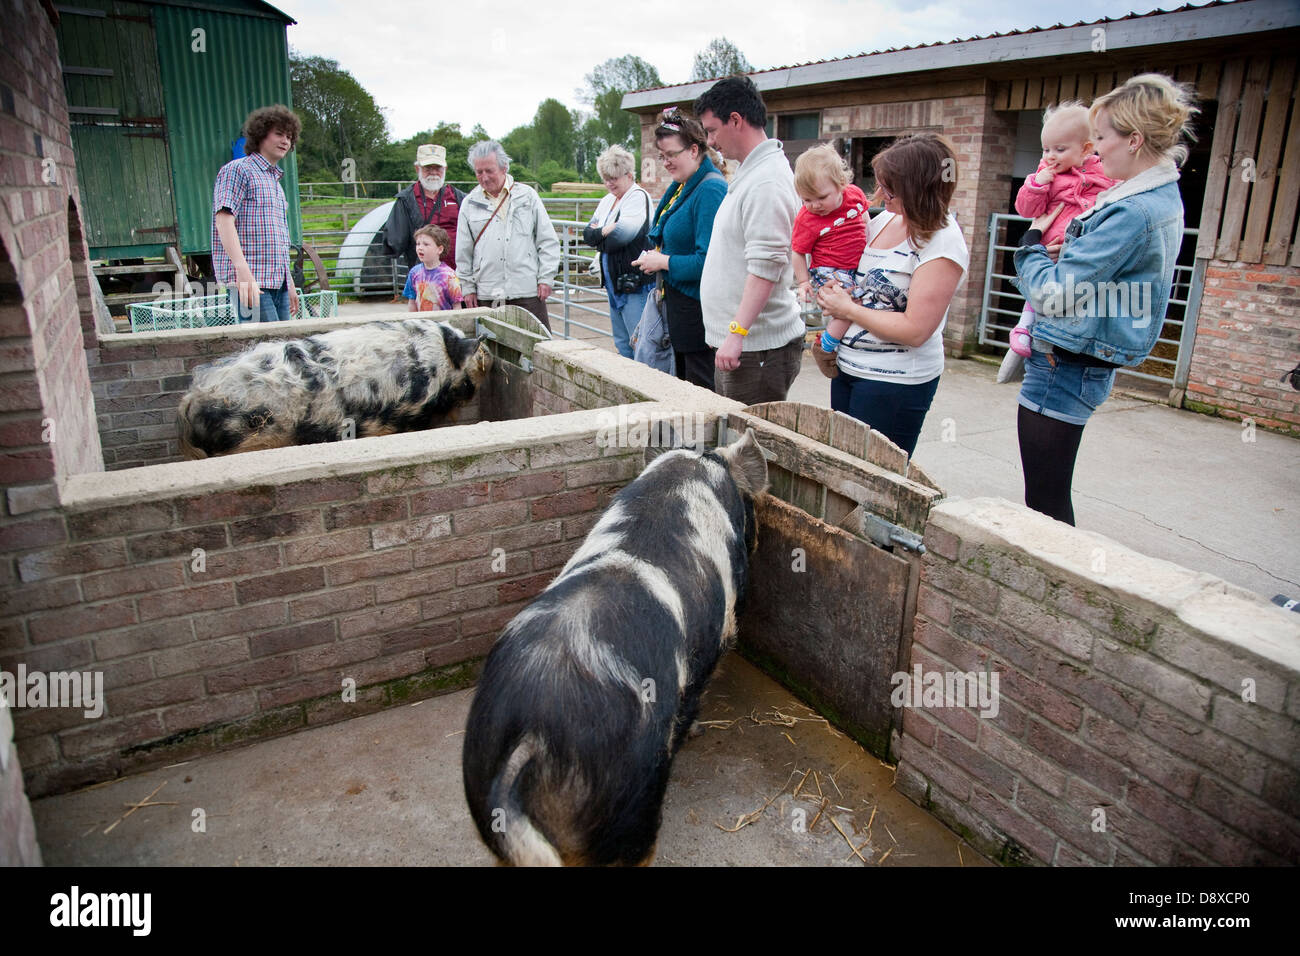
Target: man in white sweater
{"type": "Point", "coordinates": [750, 313]}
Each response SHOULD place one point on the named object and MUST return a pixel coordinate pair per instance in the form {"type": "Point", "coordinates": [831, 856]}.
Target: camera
{"type": "Point", "coordinates": [626, 284]}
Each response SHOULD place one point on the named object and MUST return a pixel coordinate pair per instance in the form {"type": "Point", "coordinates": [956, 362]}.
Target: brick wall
{"type": "Point", "coordinates": [1247, 335]}
{"type": "Point", "coordinates": [1122, 736]}
{"type": "Point", "coordinates": [985, 143]}
{"type": "Point", "coordinates": [383, 567]}
{"type": "Point", "coordinates": [46, 411]}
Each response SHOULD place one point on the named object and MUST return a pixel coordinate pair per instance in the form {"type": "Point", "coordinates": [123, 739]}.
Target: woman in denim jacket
{"type": "Point", "coordinates": [1102, 303]}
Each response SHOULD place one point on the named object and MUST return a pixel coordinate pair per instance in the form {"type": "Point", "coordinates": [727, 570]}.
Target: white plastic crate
{"type": "Point", "coordinates": [212, 310]}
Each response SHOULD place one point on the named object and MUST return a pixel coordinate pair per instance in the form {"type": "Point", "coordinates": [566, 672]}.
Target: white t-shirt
{"type": "Point", "coordinates": [884, 276]}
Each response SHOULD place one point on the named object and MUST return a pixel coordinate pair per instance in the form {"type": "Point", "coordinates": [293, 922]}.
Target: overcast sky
{"type": "Point", "coordinates": [494, 64]}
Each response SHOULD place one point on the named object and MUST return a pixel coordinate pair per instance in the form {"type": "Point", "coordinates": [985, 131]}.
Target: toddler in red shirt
{"type": "Point", "coordinates": [831, 226]}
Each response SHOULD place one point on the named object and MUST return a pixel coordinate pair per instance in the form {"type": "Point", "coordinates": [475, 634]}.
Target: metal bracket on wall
{"type": "Point", "coordinates": [887, 534]}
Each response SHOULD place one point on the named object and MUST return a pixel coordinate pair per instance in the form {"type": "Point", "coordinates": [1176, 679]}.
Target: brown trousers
{"type": "Point", "coordinates": [764, 376]}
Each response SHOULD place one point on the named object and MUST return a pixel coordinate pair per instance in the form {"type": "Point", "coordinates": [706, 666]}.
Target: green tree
{"type": "Point", "coordinates": [340, 120]}
{"type": "Point", "coordinates": [720, 58]}
{"type": "Point", "coordinates": [604, 91]}
{"type": "Point", "coordinates": [552, 134]}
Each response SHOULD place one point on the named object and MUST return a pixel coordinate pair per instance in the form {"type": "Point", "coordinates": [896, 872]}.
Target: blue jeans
{"type": "Point", "coordinates": [624, 310]}
{"type": "Point", "coordinates": [895, 410]}
{"type": "Point", "coordinates": [1067, 391]}
{"type": "Point", "coordinates": [271, 306]}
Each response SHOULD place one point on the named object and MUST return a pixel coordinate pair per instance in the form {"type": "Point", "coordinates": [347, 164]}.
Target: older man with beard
{"type": "Point", "coordinates": [426, 202]}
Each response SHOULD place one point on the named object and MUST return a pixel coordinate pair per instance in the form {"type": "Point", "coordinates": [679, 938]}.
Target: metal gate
{"type": "Point", "coordinates": [1171, 357]}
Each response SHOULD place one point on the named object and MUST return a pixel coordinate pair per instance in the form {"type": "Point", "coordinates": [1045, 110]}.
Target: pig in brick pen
{"type": "Point", "coordinates": [376, 379]}
{"type": "Point", "coordinates": [567, 755]}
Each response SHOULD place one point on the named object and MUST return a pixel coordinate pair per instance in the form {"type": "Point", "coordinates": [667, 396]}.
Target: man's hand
{"type": "Point", "coordinates": [249, 291]}
{"type": "Point", "coordinates": [543, 291]}
{"type": "Point", "coordinates": [293, 300]}
{"type": "Point", "coordinates": [471, 300]}
{"type": "Point", "coordinates": [728, 356]}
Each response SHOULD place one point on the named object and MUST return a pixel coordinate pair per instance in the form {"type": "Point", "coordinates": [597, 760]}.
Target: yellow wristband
{"type": "Point", "coordinates": [737, 329]}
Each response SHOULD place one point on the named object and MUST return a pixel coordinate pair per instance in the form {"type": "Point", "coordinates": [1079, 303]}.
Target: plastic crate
{"type": "Point", "coordinates": [214, 310]}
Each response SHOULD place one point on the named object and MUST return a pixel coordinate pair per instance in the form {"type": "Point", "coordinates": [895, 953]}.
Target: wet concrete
{"type": "Point", "coordinates": [385, 789]}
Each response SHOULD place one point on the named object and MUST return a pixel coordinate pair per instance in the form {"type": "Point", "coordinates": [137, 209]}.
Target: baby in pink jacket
{"type": "Point", "coordinates": [1070, 173]}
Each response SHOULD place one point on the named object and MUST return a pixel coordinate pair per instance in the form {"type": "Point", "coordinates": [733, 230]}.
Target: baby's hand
{"type": "Point", "coordinates": [805, 291]}
{"type": "Point", "coordinates": [1044, 175]}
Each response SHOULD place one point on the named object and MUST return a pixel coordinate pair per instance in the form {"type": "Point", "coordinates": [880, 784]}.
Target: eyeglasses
{"type": "Point", "coordinates": [889, 197]}
{"type": "Point", "coordinates": [664, 157]}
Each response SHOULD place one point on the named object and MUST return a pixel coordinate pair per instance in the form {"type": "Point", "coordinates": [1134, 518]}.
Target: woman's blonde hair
{"type": "Point", "coordinates": [1155, 106]}
{"type": "Point", "coordinates": [616, 162]}
{"type": "Point", "coordinates": [819, 163]}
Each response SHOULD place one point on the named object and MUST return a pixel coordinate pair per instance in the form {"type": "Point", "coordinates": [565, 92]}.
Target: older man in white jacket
{"type": "Point", "coordinates": [506, 248]}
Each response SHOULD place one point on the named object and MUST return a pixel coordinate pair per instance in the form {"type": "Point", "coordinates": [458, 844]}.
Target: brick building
{"type": "Point", "coordinates": [1234, 327]}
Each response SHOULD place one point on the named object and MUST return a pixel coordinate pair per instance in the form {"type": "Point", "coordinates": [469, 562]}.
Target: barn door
{"type": "Point", "coordinates": [834, 581]}
{"type": "Point", "coordinates": [115, 106]}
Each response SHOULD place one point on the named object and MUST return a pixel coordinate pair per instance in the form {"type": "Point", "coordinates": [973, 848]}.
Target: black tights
{"type": "Point", "coordinates": [1048, 448]}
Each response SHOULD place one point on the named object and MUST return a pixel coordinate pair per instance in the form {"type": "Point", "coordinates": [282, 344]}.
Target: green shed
{"type": "Point", "coordinates": [157, 92]}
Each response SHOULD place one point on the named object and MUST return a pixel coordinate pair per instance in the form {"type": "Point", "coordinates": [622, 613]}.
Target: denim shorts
{"type": "Point", "coordinates": [1069, 391]}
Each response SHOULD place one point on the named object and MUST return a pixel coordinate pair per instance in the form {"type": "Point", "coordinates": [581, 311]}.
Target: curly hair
{"type": "Point", "coordinates": [261, 123]}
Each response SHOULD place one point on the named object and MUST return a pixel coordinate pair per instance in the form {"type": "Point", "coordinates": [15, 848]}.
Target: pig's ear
{"type": "Point", "coordinates": [663, 438]}
{"type": "Point", "coordinates": [746, 463]}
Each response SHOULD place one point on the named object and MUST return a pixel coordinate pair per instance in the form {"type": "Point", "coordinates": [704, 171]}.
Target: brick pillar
{"type": "Point", "coordinates": [985, 143]}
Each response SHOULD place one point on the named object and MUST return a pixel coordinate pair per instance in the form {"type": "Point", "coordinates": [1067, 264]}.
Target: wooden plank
{"type": "Point", "coordinates": [1207, 80]}
{"type": "Point", "coordinates": [1069, 87]}
{"type": "Point", "coordinates": [832, 626]}
{"type": "Point", "coordinates": [1002, 96]}
{"type": "Point", "coordinates": [1216, 180]}
{"type": "Point", "coordinates": [1083, 93]}
{"type": "Point", "coordinates": [1033, 93]}
{"type": "Point", "coordinates": [1051, 90]}
{"type": "Point", "coordinates": [1017, 99]}
{"type": "Point", "coordinates": [1185, 73]}
{"type": "Point", "coordinates": [1245, 147]}
{"type": "Point", "coordinates": [1270, 148]}
{"type": "Point", "coordinates": [887, 493]}
{"type": "Point", "coordinates": [1295, 247]}
{"type": "Point", "coordinates": [1288, 189]}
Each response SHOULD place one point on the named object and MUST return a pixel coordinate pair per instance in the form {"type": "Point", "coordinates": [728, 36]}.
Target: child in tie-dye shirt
{"type": "Point", "coordinates": [432, 286]}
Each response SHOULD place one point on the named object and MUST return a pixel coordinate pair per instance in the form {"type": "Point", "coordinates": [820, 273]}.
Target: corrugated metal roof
{"type": "Point", "coordinates": [208, 95]}
{"type": "Point", "coordinates": [248, 8]}
{"type": "Point", "coordinates": [1283, 11]}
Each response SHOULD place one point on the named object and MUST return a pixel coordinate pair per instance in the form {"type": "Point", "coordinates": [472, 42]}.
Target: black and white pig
{"type": "Point", "coordinates": [372, 379]}
{"type": "Point", "coordinates": [591, 689]}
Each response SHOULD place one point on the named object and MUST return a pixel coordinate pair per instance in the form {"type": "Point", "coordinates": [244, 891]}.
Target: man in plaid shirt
{"type": "Point", "coordinates": [250, 223]}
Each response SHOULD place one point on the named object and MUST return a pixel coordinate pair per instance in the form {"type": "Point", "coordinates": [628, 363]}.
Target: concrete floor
{"type": "Point", "coordinates": [385, 789]}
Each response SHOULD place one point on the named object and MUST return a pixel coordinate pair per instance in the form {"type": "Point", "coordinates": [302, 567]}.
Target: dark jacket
{"type": "Point", "coordinates": [399, 231]}
{"type": "Point", "coordinates": [682, 233]}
